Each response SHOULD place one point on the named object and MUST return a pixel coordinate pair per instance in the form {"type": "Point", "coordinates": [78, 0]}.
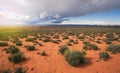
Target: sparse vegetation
{"type": "Point", "coordinates": [75, 58]}
{"type": "Point", "coordinates": [43, 53]}
{"type": "Point", "coordinates": [90, 47]}
{"type": "Point", "coordinates": [62, 49]}
{"type": "Point", "coordinates": [30, 47]}
{"type": "Point", "coordinates": [2, 44]}
{"type": "Point", "coordinates": [18, 43]}
{"type": "Point", "coordinates": [16, 58]}
{"type": "Point", "coordinates": [19, 70]}
{"type": "Point", "coordinates": [69, 43]}
{"type": "Point", "coordinates": [103, 55]}
{"type": "Point", "coordinates": [113, 48]}
{"type": "Point", "coordinates": [12, 50]}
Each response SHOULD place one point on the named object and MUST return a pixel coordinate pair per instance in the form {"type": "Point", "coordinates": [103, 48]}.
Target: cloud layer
{"type": "Point", "coordinates": [51, 11]}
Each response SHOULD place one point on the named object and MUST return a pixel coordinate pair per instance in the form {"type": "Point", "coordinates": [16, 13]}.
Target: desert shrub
{"type": "Point", "coordinates": [93, 46]}
{"type": "Point", "coordinates": [40, 44]}
{"type": "Point", "coordinates": [81, 37]}
{"type": "Point", "coordinates": [16, 58]}
{"type": "Point", "coordinates": [103, 55]}
{"type": "Point", "coordinates": [74, 58]}
{"type": "Point", "coordinates": [12, 50]}
{"type": "Point", "coordinates": [76, 42]}
{"type": "Point", "coordinates": [15, 39]}
{"type": "Point", "coordinates": [62, 49]}
{"type": "Point", "coordinates": [99, 42]}
{"type": "Point", "coordinates": [90, 47]}
{"type": "Point", "coordinates": [30, 39]}
{"type": "Point", "coordinates": [18, 43]}
{"type": "Point", "coordinates": [71, 40]}
{"type": "Point", "coordinates": [65, 37]}
{"type": "Point", "coordinates": [113, 48]}
{"type": "Point", "coordinates": [30, 47]}
{"type": "Point", "coordinates": [110, 35]}
{"type": "Point", "coordinates": [36, 42]}
{"type": "Point", "coordinates": [56, 37]}
{"type": "Point", "coordinates": [23, 36]}
{"type": "Point", "coordinates": [86, 42]}
{"type": "Point", "coordinates": [4, 38]}
{"type": "Point", "coordinates": [55, 41]}
{"type": "Point", "coordinates": [47, 39]}
{"type": "Point", "coordinates": [107, 41]}
{"type": "Point", "coordinates": [43, 53]}
{"type": "Point", "coordinates": [19, 70]}
{"type": "Point", "coordinates": [2, 44]}
{"type": "Point", "coordinates": [69, 43]}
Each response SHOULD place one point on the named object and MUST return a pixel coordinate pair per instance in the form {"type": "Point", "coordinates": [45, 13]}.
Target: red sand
{"type": "Point", "coordinates": [54, 62]}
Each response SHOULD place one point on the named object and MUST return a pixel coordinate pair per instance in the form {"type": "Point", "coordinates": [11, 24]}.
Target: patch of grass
{"type": "Point", "coordinates": [30, 39]}
{"type": "Point", "coordinates": [76, 42]}
{"type": "Point", "coordinates": [16, 58]}
{"type": "Point", "coordinates": [113, 48]}
{"type": "Point", "coordinates": [47, 39]}
{"type": "Point", "coordinates": [18, 43]}
{"type": "Point", "coordinates": [69, 43]}
{"type": "Point", "coordinates": [107, 41]}
{"type": "Point", "coordinates": [75, 58]}
{"type": "Point", "coordinates": [19, 70]}
{"type": "Point", "coordinates": [30, 47]}
{"type": "Point", "coordinates": [55, 41]}
{"type": "Point", "coordinates": [62, 49]}
{"type": "Point", "coordinates": [86, 42]}
{"type": "Point", "coordinates": [2, 44]}
{"type": "Point", "coordinates": [43, 53]}
{"type": "Point", "coordinates": [12, 50]}
{"type": "Point", "coordinates": [65, 37]}
{"type": "Point", "coordinates": [103, 55]}
{"type": "Point", "coordinates": [71, 40]}
{"type": "Point", "coordinates": [90, 47]}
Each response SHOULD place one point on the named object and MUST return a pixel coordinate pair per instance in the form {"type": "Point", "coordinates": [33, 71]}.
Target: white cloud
{"type": "Point", "coordinates": [22, 10]}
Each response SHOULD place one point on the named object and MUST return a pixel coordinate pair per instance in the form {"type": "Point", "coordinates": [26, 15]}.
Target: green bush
{"type": "Point", "coordinates": [69, 43]}
{"type": "Point", "coordinates": [2, 44]}
{"type": "Point", "coordinates": [19, 70]}
{"type": "Point", "coordinates": [86, 42]}
{"type": "Point", "coordinates": [107, 41]}
{"type": "Point", "coordinates": [90, 47]}
{"type": "Point", "coordinates": [40, 44]}
{"type": "Point", "coordinates": [47, 39]}
{"type": "Point", "coordinates": [113, 48]}
{"type": "Point", "coordinates": [12, 50]}
{"type": "Point", "coordinates": [43, 53]}
{"type": "Point", "coordinates": [56, 37]}
{"type": "Point", "coordinates": [30, 47]}
{"type": "Point", "coordinates": [76, 42]}
{"type": "Point", "coordinates": [103, 55]}
{"type": "Point", "coordinates": [71, 40]}
{"type": "Point", "coordinates": [30, 39]}
{"type": "Point", "coordinates": [65, 37]}
{"type": "Point", "coordinates": [99, 42]}
{"type": "Point", "coordinates": [110, 35]}
{"type": "Point", "coordinates": [74, 58]}
{"type": "Point", "coordinates": [62, 49]}
{"type": "Point", "coordinates": [18, 43]}
{"type": "Point", "coordinates": [16, 58]}
{"type": "Point", "coordinates": [55, 41]}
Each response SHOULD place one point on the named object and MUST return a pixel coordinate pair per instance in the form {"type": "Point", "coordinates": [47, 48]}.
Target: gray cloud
{"type": "Point", "coordinates": [56, 10]}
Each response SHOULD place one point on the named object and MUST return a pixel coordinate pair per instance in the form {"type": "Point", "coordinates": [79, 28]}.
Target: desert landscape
{"type": "Point", "coordinates": [59, 36]}
{"type": "Point", "coordinates": [60, 49]}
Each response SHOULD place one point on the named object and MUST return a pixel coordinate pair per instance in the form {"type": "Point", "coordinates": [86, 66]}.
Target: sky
{"type": "Point", "coordinates": [43, 12]}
